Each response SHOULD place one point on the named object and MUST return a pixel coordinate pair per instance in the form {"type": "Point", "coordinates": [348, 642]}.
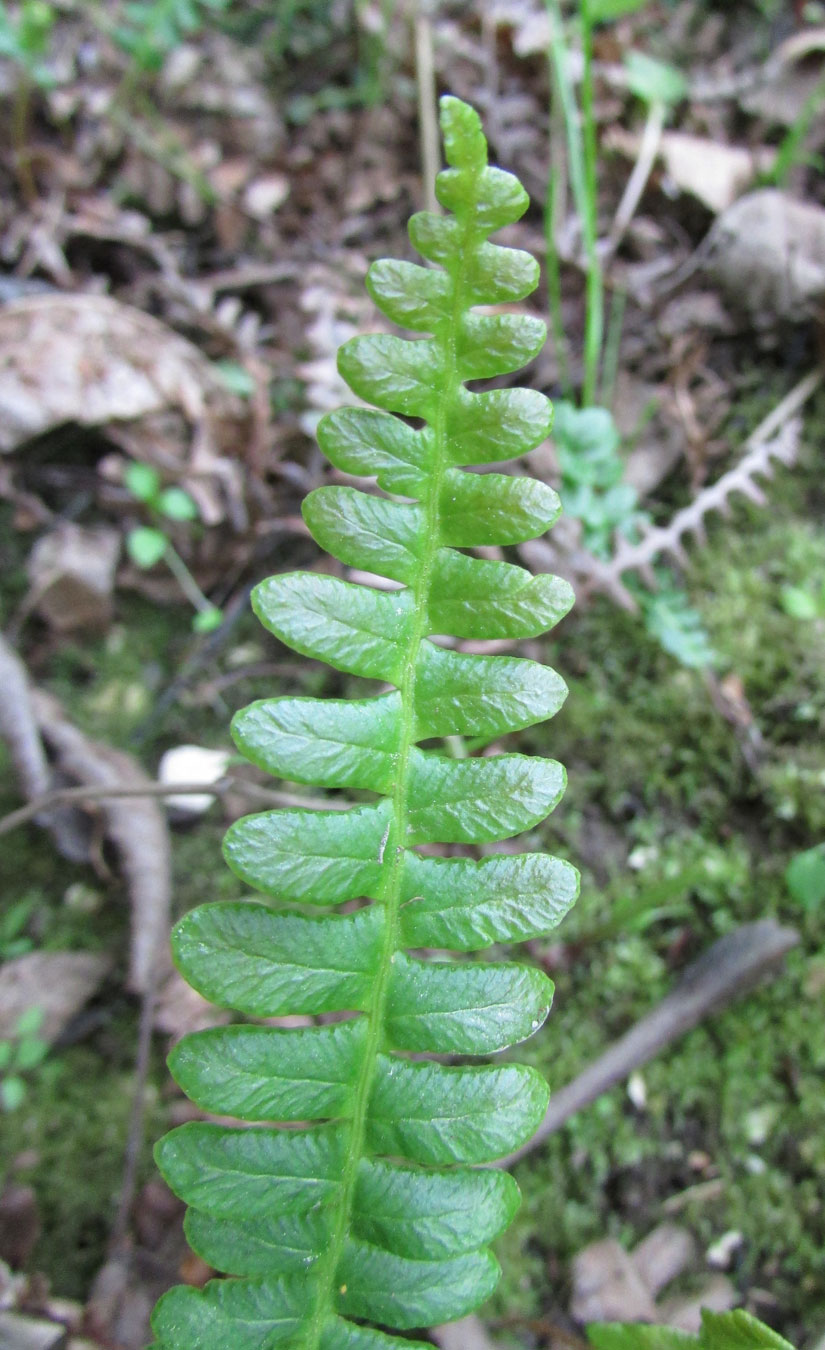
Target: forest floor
{"type": "Point", "coordinates": [216, 219]}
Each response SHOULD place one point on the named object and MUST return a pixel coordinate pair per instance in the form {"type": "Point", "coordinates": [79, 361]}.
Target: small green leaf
{"type": "Point", "coordinates": [12, 1092]}
{"type": "Point", "coordinates": [481, 695]}
{"type": "Point", "coordinates": [493, 344]}
{"type": "Point", "coordinates": [798, 603]}
{"type": "Point", "coordinates": [738, 1330]}
{"type": "Point", "coordinates": [497, 425]}
{"type": "Point", "coordinates": [449, 1008]}
{"type": "Point", "coordinates": [287, 1245]}
{"type": "Point", "coordinates": [432, 1114]}
{"type": "Point", "coordinates": [473, 598]}
{"type": "Point", "coordinates": [355, 628]}
{"type": "Point", "coordinates": [419, 1214]}
{"type": "Point", "coordinates": [473, 801]}
{"type": "Point", "coordinates": [177, 504]}
{"type": "Point", "coordinates": [268, 1073]}
{"type": "Point", "coordinates": [654, 81]}
{"type": "Point", "coordinates": [805, 878]}
{"type": "Point", "coordinates": [493, 508]}
{"type": "Point", "coordinates": [239, 1174]}
{"type": "Point", "coordinates": [465, 905]}
{"type": "Point", "coordinates": [465, 145]}
{"type": "Point", "coordinates": [497, 274]}
{"type": "Point", "coordinates": [366, 531]}
{"type": "Point", "coordinates": [437, 238]}
{"type": "Point", "coordinates": [146, 546]}
{"type": "Point", "coordinates": [395, 373]}
{"type": "Point", "coordinates": [407, 1294]}
{"type": "Point", "coordinates": [244, 1315]}
{"type": "Point", "coordinates": [267, 965]}
{"type": "Point", "coordinates": [364, 441]}
{"type": "Point", "coordinates": [207, 620]}
{"type": "Point", "coordinates": [236, 378]}
{"type": "Point", "coordinates": [412, 296]}
{"type": "Point", "coordinates": [317, 857]}
{"type": "Point", "coordinates": [142, 481]}
{"type": "Point", "coordinates": [337, 742]}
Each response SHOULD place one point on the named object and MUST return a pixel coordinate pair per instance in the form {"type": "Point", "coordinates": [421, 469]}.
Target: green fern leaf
{"type": "Point", "coordinates": [371, 1205]}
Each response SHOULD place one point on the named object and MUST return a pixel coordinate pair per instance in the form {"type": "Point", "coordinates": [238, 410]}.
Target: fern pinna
{"type": "Point", "coordinates": [369, 1207]}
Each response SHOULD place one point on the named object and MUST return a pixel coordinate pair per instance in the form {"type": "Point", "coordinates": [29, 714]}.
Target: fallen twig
{"type": "Point", "coordinates": [776, 439]}
{"type": "Point", "coordinates": [19, 729]}
{"type": "Point", "coordinates": [730, 967]}
{"type": "Point", "coordinates": [85, 793]}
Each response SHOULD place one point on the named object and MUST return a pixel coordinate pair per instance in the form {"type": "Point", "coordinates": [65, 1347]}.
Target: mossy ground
{"type": "Point", "coordinates": [659, 792]}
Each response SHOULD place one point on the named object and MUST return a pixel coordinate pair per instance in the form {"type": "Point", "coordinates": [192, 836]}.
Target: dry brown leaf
{"type": "Point", "coordinates": [795, 75]}
{"type": "Point", "coordinates": [58, 983]}
{"type": "Point", "coordinates": [607, 1286]}
{"type": "Point", "coordinates": [714, 173]}
{"type": "Point", "coordinates": [137, 827]}
{"type": "Point", "coordinates": [663, 1255]}
{"type": "Point", "coordinates": [19, 730]}
{"type": "Point", "coordinates": [767, 253]}
{"type": "Point", "coordinates": [72, 576]}
{"type": "Point", "coordinates": [468, 1334]}
{"type": "Point", "coordinates": [684, 1312]}
{"type": "Point", "coordinates": [90, 360]}
{"type": "Point", "coordinates": [179, 1009]}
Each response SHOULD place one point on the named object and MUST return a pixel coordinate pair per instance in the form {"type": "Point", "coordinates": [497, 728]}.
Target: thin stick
{"type": "Point", "coordinates": [594, 315]}
{"type": "Point", "coordinates": [427, 101]}
{"type": "Point", "coordinates": [137, 1115]}
{"type": "Point", "coordinates": [581, 167]}
{"type": "Point", "coordinates": [185, 580]}
{"type": "Point", "coordinates": [729, 968]}
{"type": "Point", "coordinates": [642, 169]}
{"type": "Point", "coordinates": [553, 215]}
{"type": "Point", "coordinates": [69, 795]}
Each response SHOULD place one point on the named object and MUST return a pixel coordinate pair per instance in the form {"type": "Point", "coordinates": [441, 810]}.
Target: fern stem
{"type": "Point", "coordinates": [393, 847]}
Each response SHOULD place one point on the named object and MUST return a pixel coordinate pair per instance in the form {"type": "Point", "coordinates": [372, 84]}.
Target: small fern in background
{"type": "Point", "coordinates": [371, 1206]}
{"type": "Point", "coordinates": [720, 1331]}
{"type": "Point", "coordinates": [151, 29]}
{"type": "Point", "coordinates": [593, 491]}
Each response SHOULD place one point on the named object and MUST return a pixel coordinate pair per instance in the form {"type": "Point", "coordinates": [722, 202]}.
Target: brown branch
{"type": "Point", "coordinates": [729, 968]}
{"type": "Point", "coordinates": [63, 796]}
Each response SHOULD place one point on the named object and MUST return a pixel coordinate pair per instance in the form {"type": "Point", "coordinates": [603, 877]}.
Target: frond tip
{"type": "Point", "coordinates": [369, 1207]}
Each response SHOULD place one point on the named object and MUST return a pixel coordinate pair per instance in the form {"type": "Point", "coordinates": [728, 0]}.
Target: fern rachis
{"type": "Point", "coordinates": [373, 1207]}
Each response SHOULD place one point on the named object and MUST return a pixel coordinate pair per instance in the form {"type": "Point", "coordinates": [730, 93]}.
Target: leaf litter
{"type": "Point", "coordinates": [233, 236]}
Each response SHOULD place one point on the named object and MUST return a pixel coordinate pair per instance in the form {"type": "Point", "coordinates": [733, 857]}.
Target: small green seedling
{"type": "Point", "coordinates": [805, 878]}
{"type": "Point", "coordinates": [587, 442]}
{"type": "Point", "coordinates": [803, 603]}
{"type": "Point", "coordinates": [19, 1057]}
{"type": "Point", "coordinates": [593, 491]}
{"type": "Point", "coordinates": [151, 29]}
{"type": "Point", "coordinates": [25, 39]}
{"type": "Point", "coordinates": [720, 1331]}
{"type": "Point", "coordinates": [13, 921]}
{"type": "Point", "coordinates": [147, 545]}
{"type": "Point", "coordinates": [654, 82]}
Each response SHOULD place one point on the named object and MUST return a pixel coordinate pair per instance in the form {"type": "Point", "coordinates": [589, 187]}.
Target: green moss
{"type": "Point", "coordinates": [682, 841]}
{"type": "Point", "coordinates": [68, 1142]}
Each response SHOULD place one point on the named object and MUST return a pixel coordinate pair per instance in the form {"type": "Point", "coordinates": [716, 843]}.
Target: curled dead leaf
{"type": "Point", "coordinates": [89, 360]}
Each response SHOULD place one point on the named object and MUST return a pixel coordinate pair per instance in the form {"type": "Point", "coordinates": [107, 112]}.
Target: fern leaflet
{"type": "Point", "coordinates": [370, 1206]}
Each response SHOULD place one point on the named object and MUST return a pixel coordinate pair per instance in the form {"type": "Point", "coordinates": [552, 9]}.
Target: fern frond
{"type": "Point", "coordinates": [371, 1207]}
